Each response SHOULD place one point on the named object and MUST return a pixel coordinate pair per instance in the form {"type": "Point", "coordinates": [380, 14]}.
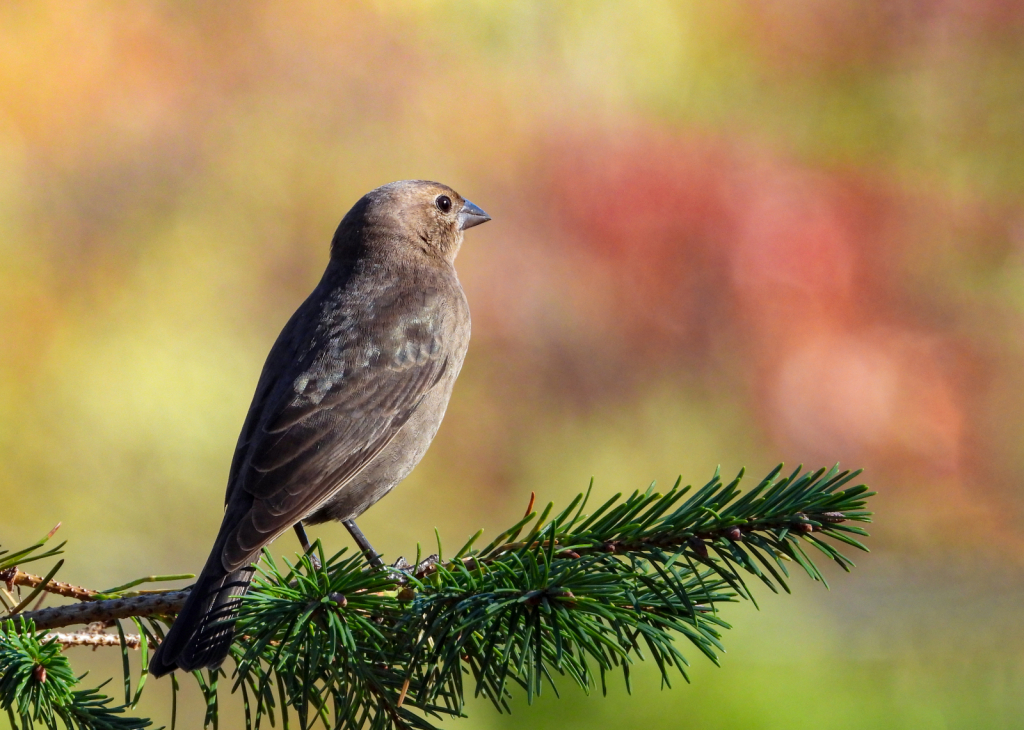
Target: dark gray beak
{"type": "Point", "coordinates": [471, 215]}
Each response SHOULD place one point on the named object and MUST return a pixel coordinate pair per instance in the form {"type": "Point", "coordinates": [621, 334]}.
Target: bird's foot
{"type": "Point", "coordinates": [404, 568]}
{"type": "Point", "coordinates": [426, 563]}
{"type": "Point", "coordinates": [401, 570]}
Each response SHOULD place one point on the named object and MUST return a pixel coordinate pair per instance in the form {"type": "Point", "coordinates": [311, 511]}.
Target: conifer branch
{"type": "Point", "coordinates": [15, 577]}
{"type": "Point", "coordinates": [93, 639]}
{"type": "Point", "coordinates": [165, 604]}
{"type": "Point", "coordinates": [573, 594]}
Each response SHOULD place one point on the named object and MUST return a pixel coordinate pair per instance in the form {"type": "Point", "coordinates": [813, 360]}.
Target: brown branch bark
{"type": "Point", "coordinates": [153, 604]}
{"type": "Point", "coordinates": [17, 577]}
{"type": "Point", "coordinates": [88, 638]}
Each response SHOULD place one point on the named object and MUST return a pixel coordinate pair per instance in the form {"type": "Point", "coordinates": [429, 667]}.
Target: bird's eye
{"type": "Point", "coordinates": [443, 203]}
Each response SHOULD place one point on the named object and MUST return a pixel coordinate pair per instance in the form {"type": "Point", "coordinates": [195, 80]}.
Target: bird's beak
{"type": "Point", "coordinates": [471, 215]}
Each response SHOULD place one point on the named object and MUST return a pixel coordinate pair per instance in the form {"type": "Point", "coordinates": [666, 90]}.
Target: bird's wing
{"type": "Point", "coordinates": [352, 393]}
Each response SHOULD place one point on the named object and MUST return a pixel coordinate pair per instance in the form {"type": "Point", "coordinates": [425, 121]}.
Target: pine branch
{"type": "Point", "coordinates": [572, 594]}
{"type": "Point", "coordinates": [37, 687]}
{"type": "Point", "coordinates": [104, 606]}
{"type": "Point", "coordinates": [15, 577]}
{"type": "Point", "coordinates": [578, 595]}
{"type": "Point", "coordinates": [93, 639]}
{"type": "Point", "coordinates": [154, 604]}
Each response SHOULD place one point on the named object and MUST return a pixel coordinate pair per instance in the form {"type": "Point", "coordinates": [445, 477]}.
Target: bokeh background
{"type": "Point", "coordinates": [729, 233]}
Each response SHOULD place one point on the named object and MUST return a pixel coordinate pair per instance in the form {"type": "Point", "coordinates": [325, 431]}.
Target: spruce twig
{"type": "Point", "coordinates": [578, 596]}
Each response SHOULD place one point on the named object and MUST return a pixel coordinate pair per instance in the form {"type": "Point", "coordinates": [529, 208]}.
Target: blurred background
{"type": "Point", "coordinates": [730, 233]}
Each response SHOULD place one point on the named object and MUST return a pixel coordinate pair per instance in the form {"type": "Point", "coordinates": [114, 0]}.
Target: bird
{"type": "Point", "coordinates": [349, 399]}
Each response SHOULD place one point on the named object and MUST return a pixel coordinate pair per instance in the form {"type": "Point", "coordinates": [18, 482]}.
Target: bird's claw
{"type": "Point", "coordinates": [426, 564]}
{"type": "Point", "coordinates": [405, 569]}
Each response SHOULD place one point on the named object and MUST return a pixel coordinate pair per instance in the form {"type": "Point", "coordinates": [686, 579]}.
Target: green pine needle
{"type": "Point", "coordinates": [333, 643]}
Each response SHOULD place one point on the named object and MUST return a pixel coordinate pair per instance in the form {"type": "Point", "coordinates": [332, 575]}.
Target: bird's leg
{"type": "Point", "coordinates": [300, 531]}
{"type": "Point", "coordinates": [363, 543]}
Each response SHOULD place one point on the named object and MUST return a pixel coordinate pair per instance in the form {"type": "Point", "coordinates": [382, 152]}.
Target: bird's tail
{"type": "Point", "coordinates": [201, 634]}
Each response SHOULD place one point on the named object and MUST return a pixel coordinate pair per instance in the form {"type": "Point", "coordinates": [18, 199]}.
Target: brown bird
{"type": "Point", "coordinates": [350, 397]}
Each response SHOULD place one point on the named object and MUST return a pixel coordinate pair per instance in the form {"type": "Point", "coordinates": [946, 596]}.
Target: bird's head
{"type": "Point", "coordinates": [422, 215]}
